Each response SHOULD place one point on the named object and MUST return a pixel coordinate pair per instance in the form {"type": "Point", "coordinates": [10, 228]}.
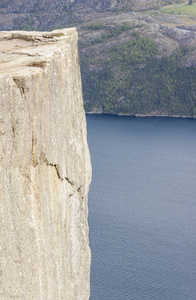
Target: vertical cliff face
{"type": "Point", "coordinates": [45, 168]}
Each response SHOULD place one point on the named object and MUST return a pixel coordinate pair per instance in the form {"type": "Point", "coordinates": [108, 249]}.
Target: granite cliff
{"type": "Point", "coordinates": [45, 168]}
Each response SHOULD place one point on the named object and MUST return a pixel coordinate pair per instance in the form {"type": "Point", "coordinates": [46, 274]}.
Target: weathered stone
{"type": "Point", "coordinates": [45, 168]}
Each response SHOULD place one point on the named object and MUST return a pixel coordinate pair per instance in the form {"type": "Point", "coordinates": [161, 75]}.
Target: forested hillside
{"type": "Point", "coordinates": [140, 63]}
{"type": "Point", "coordinates": [137, 57]}
{"type": "Point", "coordinates": [135, 81]}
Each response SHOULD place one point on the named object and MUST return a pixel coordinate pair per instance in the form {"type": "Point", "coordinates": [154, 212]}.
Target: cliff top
{"type": "Point", "coordinates": [24, 51]}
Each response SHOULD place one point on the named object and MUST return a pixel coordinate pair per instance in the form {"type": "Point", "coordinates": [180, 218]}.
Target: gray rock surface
{"type": "Point", "coordinates": [168, 32]}
{"type": "Point", "coordinates": [45, 168]}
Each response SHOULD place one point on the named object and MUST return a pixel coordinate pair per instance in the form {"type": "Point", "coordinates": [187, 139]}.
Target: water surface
{"type": "Point", "coordinates": [142, 208]}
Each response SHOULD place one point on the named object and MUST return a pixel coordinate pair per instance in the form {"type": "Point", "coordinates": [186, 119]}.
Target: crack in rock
{"type": "Point", "coordinates": [20, 86]}
{"type": "Point", "coordinates": [56, 166]}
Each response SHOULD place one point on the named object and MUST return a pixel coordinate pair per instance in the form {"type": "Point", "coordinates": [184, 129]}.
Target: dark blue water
{"type": "Point", "coordinates": [142, 208]}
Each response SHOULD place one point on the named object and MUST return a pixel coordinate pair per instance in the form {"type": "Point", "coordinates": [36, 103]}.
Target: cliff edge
{"type": "Point", "coordinates": [45, 168]}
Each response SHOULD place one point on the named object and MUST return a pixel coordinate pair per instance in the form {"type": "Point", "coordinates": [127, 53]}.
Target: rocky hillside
{"type": "Point", "coordinates": [50, 14]}
{"type": "Point", "coordinates": [139, 64]}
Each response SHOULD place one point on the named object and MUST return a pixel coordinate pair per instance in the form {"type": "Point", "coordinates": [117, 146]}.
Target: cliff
{"type": "Point", "coordinates": [45, 168]}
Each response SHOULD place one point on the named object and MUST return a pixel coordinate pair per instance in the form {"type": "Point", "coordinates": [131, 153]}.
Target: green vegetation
{"type": "Point", "coordinates": [181, 9]}
{"type": "Point", "coordinates": [25, 23]}
{"type": "Point", "coordinates": [113, 30]}
{"type": "Point", "coordinates": [97, 26]}
{"type": "Point", "coordinates": [135, 81]}
{"type": "Point", "coordinates": [108, 32]}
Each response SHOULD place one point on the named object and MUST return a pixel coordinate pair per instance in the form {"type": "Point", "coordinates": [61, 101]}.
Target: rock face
{"type": "Point", "coordinates": [45, 168]}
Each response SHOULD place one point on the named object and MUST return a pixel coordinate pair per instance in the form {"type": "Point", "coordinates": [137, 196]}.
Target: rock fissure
{"type": "Point", "coordinates": [20, 86]}
{"type": "Point", "coordinates": [43, 159]}
{"type": "Point", "coordinates": [26, 53]}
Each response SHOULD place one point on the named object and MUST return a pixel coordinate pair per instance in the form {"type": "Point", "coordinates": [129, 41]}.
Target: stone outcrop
{"type": "Point", "coordinates": [45, 168]}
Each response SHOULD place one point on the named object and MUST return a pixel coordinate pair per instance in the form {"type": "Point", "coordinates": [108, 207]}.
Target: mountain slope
{"type": "Point", "coordinates": [139, 64]}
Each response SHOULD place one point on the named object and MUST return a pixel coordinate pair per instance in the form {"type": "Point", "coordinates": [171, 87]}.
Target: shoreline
{"type": "Point", "coordinates": [141, 115]}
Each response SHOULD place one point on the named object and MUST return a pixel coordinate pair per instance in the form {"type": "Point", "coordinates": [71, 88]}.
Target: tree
{"type": "Point", "coordinates": [190, 2]}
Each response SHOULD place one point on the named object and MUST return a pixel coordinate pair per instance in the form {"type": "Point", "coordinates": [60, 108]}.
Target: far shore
{"type": "Point", "coordinates": [140, 115]}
